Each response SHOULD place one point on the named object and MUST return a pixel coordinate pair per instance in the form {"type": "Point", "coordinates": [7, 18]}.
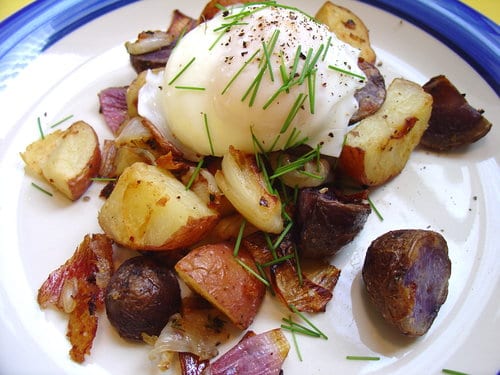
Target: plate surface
{"type": "Point", "coordinates": [54, 66]}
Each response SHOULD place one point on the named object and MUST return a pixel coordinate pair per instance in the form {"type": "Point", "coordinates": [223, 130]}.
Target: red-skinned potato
{"type": "Point", "coordinates": [67, 159]}
{"type": "Point", "coordinates": [213, 272]}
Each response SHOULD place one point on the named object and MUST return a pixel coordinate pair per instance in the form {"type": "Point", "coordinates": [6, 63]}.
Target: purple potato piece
{"type": "Point", "coordinates": [328, 221]}
{"type": "Point", "coordinates": [406, 275]}
{"type": "Point", "coordinates": [453, 121]}
{"type": "Point", "coordinates": [141, 296]}
{"type": "Point", "coordinates": [371, 97]}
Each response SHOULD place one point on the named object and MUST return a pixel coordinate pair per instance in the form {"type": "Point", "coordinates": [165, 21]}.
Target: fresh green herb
{"type": "Point", "coordinates": [311, 85]}
{"type": "Point", "coordinates": [278, 260]}
{"type": "Point", "coordinates": [195, 174]}
{"type": "Point", "coordinates": [297, 264]}
{"type": "Point", "coordinates": [296, 344]}
{"type": "Point", "coordinates": [216, 41]}
{"type": "Point", "coordinates": [238, 239]}
{"type": "Point", "coordinates": [194, 88]}
{"type": "Point", "coordinates": [182, 71]}
{"type": "Point", "coordinates": [349, 73]}
{"type": "Point", "coordinates": [281, 237]}
{"type": "Point", "coordinates": [254, 86]}
{"type": "Point", "coordinates": [252, 272]}
{"type": "Point", "coordinates": [304, 318]}
{"type": "Point", "coordinates": [374, 208]}
{"type": "Point", "coordinates": [103, 179]}
{"type": "Point", "coordinates": [296, 164]}
{"type": "Point", "coordinates": [297, 327]}
{"type": "Point", "coordinates": [452, 372]}
{"type": "Point", "coordinates": [328, 42]}
{"type": "Point", "coordinates": [207, 129]}
{"type": "Point", "coordinates": [362, 358]}
{"type": "Point", "coordinates": [61, 121]}
{"type": "Point", "coordinates": [41, 189]}
{"type": "Point", "coordinates": [39, 123]}
{"type": "Point", "coordinates": [269, 243]}
{"type": "Point", "coordinates": [293, 112]}
{"type": "Point", "coordinates": [181, 35]}
{"type": "Point", "coordinates": [268, 51]}
{"type": "Point", "coordinates": [240, 71]}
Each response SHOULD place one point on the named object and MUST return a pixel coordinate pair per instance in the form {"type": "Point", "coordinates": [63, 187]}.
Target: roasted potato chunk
{"type": "Point", "coordinates": [213, 272]}
{"type": "Point", "coordinates": [140, 297]}
{"type": "Point", "coordinates": [406, 276]}
{"type": "Point", "coordinates": [348, 27]}
{"type": "Point", "coordinates": [378, 148]}
{"type": "Point", "coordinates": [243, 184]}
{"type": "Point", "coordinates": [454, 122]}
{"type": "Point", "coordinates": [149, 209]}
{"type": "Point", "coordinates": [66, 159]}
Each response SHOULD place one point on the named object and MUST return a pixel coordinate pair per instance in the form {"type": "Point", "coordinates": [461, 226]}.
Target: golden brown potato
{"type": "Point", "coordinates": [66, 159]}
{"type": "Point", "coordinates": [149, 209]}
{"type": "Point", "coordinates": [213, 272]}
{"type": "Point", "coordinates": [348, 27]}
{"type": "Point", "coordinates": [378, 148]}
{"type": "Point", "coordinates": [243, 184]}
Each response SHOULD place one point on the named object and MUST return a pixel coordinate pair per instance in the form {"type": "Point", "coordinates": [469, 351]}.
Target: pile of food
{"type": "Point", "coordinates": [245, 148]}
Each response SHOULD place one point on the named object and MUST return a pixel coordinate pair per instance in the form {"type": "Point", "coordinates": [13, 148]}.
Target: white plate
{"type": "Point", "coordinates": [456, 194]}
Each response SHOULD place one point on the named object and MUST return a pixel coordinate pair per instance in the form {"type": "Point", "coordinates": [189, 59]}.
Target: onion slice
{"type": "Point", "coordinates": [261, 354]}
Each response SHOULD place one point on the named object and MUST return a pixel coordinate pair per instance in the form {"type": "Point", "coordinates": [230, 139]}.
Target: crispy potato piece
{"type": "Point", "coordinates": [213, 272]}
{"type": "Point", "coordinates": [379, 147]}
{"type": "Point", "coordinates": [66, 159]}
{"type": "Point", "coordinates": [149, 209]}
{"type": "Point", "coordinates": [348, 27]}
{"type": "Point", "coordinates": [242, 183]}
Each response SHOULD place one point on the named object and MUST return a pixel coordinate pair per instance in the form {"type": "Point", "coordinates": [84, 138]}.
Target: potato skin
{"type": "Point", "coordinates": [454, 122]}
{"type": "Point", "coordinates": [140, 297]}
{"type": "Point", "coordinates": [213, 272]}
{"type": "Point", "coordinates": [406, 276]}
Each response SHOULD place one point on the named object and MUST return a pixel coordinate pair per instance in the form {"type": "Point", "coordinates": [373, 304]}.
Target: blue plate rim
{"type": "Point", "coordinates": [470, 34]}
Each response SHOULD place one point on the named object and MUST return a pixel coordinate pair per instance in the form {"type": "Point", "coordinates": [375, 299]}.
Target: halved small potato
{"type": "Point", "coordinates": [149, 209]}
{"type": "Point", "coordinates": [213, 272]}
{"type": "Point", "coordinates": [378, 148]}
{"type": "Point", "coordinates": [348, 27]}
{"type": "Point", "coordinates": [66, 159]}
{"type": "Point", "coordinates": [244, 186]}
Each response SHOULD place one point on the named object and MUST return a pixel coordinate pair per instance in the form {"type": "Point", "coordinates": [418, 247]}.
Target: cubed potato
{"type": "Point", "coordinates": [348, 27]}
{"type": "Point", "coordinates": [67, 159]}
{"type": "Point", "coordinates": [244, 186]}
{"type": "Point", "coordinates": [213, 272]}
{"type": "Point", "coordinates": [149, 209]}
{"type": "Point", "coordinates": [378, 148]}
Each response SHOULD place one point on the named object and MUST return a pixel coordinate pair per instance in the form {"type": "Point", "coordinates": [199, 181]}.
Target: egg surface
{"type": "Point", "coordinates": [259, 73]}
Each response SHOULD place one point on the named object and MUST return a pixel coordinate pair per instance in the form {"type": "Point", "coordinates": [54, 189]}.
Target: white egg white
{"type": "Point", "coordinates": [257, 73]}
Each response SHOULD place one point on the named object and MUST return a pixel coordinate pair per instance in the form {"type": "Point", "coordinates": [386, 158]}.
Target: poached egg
{"type": "Point", "coordinates": [266, 74]}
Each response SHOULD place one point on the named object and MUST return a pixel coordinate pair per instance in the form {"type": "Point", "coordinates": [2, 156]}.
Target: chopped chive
{"type": "Point", "coordinates": [293, 326]}
{"type": "Point", "coordinates": [274, 143]}
{"type": "Point", "coordinates": [279, 240]}
{"type": "Point", "coordinates": [238, 239]}
{"type": "Point", "coordinates": [452, 372]}
{"type": "Point", "coordinates": [226, 26]}
{"type": "Point", "coordinates": [293, 112]}
{"type": "Point", "coordinates": [270, 245]}
{"type": "Point", "coordinates": [181, 35]}
{"type": "Point", "coordinates": [327, 48]}
{"type": "Point", "coordinates": [252, 272]}
{"type": "Point", "coordinates": [195, 173]}
{"type": "Point", "coordinates": [309, 174]}
{"type": "Point", "coordinates": [103, 179]}
{"type": "Point", "coordinates": [220, 7]}
{"type": "Point", "coordinates": [361, 358]}
{"type": "Point", "coordinates": [194, 88]}
{"type": "Point", "coordinates": [257, 143]}
{"type": "Point", "coordinates": [295, 63]}
{"type": "Point", "coordinates": [305, 68]}
{"type": "Point", "coordinates": [297, 263]}
{"type": "Point", "coordinates": [239, 71]}
{"type": "Point", "coordinates": [277, 260]}
{"type": "Point", "coordinates": [311, 84]}
{"type": "Point", "coordinates": [349, 73]}
{"type": "Point", "coordinates": [268, 52]}
{"type": "Point", "coordinates": [39, 123]}
{"type": "Point", "coordinates": [295, 343]}
{"type": "Point", "coordinates": [182, 71]}
{"type": "Point", "coordinates": [254, 87]}
{"type": "Point", "coordinates": [216, 41]}
{"type": "Point", "coordinates": [296, 164]}
{"type": "Point", "coordinates": [315, 59]}
{"type": "Point", "coordinates": [374, 208]}
{"type": "Point", "coordinates": [41, 189]}
{"type": "Point", "coordinates": [205, 121]}
{"type": "Point", "coordinates": [61, 121]}
{"type": "Point", "coordinates": [294, 309]}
